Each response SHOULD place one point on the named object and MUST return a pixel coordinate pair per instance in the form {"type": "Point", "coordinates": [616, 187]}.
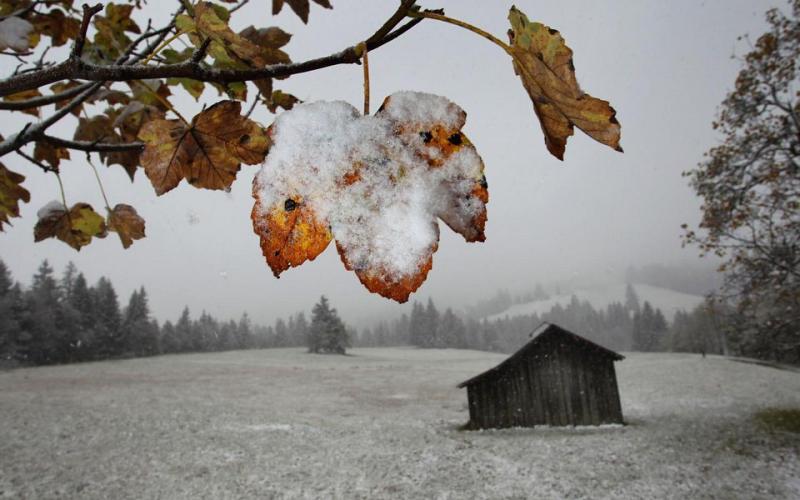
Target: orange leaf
{"type": "Point", "coordinates": [290, 234]}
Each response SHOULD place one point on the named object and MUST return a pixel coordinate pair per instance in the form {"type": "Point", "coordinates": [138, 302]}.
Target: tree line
{"type": "Point", "coordinates": [632, 325]}
{"type": "Point", "coordinates": [65, 319]}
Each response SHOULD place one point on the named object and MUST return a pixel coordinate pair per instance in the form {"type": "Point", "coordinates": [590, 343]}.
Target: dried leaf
{"type": "Point", "coordinates": [75, 227]}
{"type": "Point", "coordinates": [128, 225]}
{"type": "Point", "coordinates": [24, 96]}
{"type": "Point", "coordinates": [375, 184]}
{"type": "Point", "coordinates": [300, 7]}
{"type": "Point", "coordinates": [278, 99]}
{"type": "Point", "coordinates": [59, 87]}
{"type": "Point", "coordinates": [209, 24]}
{"type": "Point", "coordinates": [100, 128]}
{"type": "Point", "coordinates": [11, 193]}
{"type": "Point", "coordinates": [52, 155]}
{"type": "Point", "coordinates": [208, 153]}
{"type": "Point", "coordinates": [544, 63]}
{"type": "Point", "coordinates": [57, 26]}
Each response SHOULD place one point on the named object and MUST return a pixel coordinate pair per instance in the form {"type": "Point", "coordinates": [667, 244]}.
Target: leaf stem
{"type": "Point", "coordinates": [441, 17]}
{"type": "Point", "coordinates": [99, 182]}
{"type": "Point", "coordinates": [366, 79]}
{"type": "Point", "coordinates": [161, 47]}
{"type": "Point", "coordinates": [61, 188]}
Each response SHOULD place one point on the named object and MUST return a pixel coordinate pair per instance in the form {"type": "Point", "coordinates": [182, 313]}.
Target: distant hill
{"type": "Point", "coordinates": [669, 301]}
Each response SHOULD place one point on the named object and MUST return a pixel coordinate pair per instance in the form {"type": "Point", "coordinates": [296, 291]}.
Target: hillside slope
{"type": "Point", "coordinates": [381, 424]}
{"type": "Point", "coordinates": [669, 301]}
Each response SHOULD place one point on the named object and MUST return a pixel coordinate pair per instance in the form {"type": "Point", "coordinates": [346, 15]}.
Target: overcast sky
{"type": "Point", "coordinates": [664, 66]}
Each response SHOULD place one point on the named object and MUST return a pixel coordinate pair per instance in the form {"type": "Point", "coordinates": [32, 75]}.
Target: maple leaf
{"type": "Point", "coordinates": [376, 184]}
{"type": "Point", "coordinates": [124, 221]}
{"type": "Point", "coordinates": [544, 63]}
{"type": "Point", "coordinates": [11, 193]}
{"type": "Point", "coordinates": [279, 99]}
{"type": "Point", "coordinates": [76, 227]}
{"type": "Point", "coordinates": [57, 26]}
{"type": "Point", "coordinates": [50, 154]}
{"type": "Point", "coordinates": [300, 7]}
{"type": "Point", "coordinates": [208, 153]}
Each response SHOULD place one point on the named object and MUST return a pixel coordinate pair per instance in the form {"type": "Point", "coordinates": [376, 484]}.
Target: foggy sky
{"type": "Point", "coordinates": [664, 66]}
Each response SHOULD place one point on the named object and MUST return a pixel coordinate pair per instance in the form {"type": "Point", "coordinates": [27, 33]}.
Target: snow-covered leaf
{"type": "Point", "coordinates": [374, 183]}
{"type": "Point", "coordinates": [14, 33]}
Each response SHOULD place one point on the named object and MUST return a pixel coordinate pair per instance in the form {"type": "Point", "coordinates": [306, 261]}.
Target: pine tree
{"type": "Point", "coordinates": [431, 336]}
{"type": "Point", "coordinates": [631, 299]}
{"type": "Point", "coordinates": [281, 338]}
{"type": "Point", "coordinates": [9, 323]}
{"type": "Point", "coordinates": [138, 335]}
{"type": "Point", "coordinates": [184, 333]}
{"type": "Point", "coordinates": [244, 333]}
{"type": "Point", "coordinates": [453, 332]}
{"type": "Point", "coordinates": [327, 333]}
{"type": "Point", "coordinates": [416, 326]}
{"type": "Point", "coordinates": [108, 320]}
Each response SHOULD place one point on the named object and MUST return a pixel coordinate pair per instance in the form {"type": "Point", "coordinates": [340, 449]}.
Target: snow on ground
{"type": "Point", "coordinates": [381, 423]}
{"type": "Point", "coordinates": [669, 301]}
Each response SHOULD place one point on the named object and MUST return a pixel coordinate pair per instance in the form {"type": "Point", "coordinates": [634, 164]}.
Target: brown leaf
{"type": "Point", "coordinates": [59, 87]}
{"type": "Point", "coordinates": [24, 96]}
{"type": "Point", "coordinates": [544, 63]}
{"type": "Point", "coordinates": [11, 193]}
{"type": "Point", "coordinates": [57, 26]}
{"type": "Point", "coordinates": [300, 7]}
{"type": "Point", "coordinates": [208, 153]}
{"type": "Point", "coordinates": [75, 227]}
{"type": "Point", "coordinates": [50, 154]}
{"type": "Point", "coordinates": [128, 225]}
{"type": "Point", "coordinates": [209, 24]}
{"type": "Point", "coordinates": [278, 99]}
{"type": "Point", "coordinates": [100, 128]}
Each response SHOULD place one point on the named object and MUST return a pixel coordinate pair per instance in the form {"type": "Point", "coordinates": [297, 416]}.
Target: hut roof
{"type": "Point", "coordinates": [545, 330]}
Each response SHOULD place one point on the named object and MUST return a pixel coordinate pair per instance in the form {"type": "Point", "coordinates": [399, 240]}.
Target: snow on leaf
{"type": "Point", "coordinates": [374, 183]}
{"type": "Point", "coordinates": [11, 193]}
{"type": "Point", "coordinates": [544, 63]}
{"type": "Point", "coordinates": [124, 221]}
{"type": "Point", "coordinates": [300, 7]}
{"type": "Point", "coordinates": [207, 153]}
{"type": "Point", "coordinates": [14, 32]}
{"type": "Point", "coordinates": [75, 227]}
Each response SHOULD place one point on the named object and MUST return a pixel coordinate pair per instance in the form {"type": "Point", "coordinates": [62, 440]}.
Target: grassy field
{"type": "Point", "coordinates": [383, 423]}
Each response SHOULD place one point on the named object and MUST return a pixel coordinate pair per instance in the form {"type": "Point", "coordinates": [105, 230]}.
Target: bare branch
{"type": "Point", "coordinates": [36, 162]}
{"type": "Point", "coordinates": [88, 13]}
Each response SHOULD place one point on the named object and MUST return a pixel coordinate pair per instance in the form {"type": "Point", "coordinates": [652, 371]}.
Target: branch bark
{"type": "Point", "coordinates": [78, 69]}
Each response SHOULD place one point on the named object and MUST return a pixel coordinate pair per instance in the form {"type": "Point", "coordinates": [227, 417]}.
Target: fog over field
{"type": "Point", "coordinates": [382, 423]}
{"type": "Point", "coordinates": [665, 66]}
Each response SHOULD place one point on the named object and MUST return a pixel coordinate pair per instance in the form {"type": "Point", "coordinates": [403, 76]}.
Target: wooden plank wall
{"type": "Point", "coordinates": [559, 385]}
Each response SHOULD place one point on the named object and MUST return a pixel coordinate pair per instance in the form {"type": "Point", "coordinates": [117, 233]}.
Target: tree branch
{"type": "Point", "coordinates": [92, 147]}
{"type": "Point", "coordinates": [88, 13]}
{"type": "Point", "coordinates": [83, 70]}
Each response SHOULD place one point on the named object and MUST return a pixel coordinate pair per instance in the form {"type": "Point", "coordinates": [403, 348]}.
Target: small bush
{"type": "Point", "coordinates": [780, 419]}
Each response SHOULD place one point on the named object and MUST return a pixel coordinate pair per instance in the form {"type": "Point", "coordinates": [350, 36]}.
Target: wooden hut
{"type": "Point", "coordinates": [557, 378]}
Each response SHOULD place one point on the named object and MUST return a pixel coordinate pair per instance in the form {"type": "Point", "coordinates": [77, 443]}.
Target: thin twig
{"type": "Point", "coordinates": [99, 182]}
{"type": "Point", "coordinates": [88, 13]}
{"type": "Point", "coordinates": [441, 17]}
{"type": "Point", "coordinates": [366, 80]}
{"type": "Point", "coordinates": [45, 168]}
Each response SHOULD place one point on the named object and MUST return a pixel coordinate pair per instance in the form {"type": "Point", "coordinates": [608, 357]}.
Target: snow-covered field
{"type": "Point", "coordinates": [669, 301]}
{"type": "Point", "coordinates": [381, 424]}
